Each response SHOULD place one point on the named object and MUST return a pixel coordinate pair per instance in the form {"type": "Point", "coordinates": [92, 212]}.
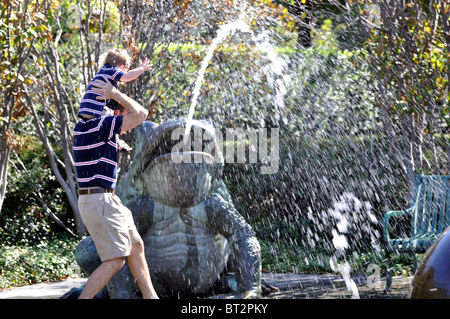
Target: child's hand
{"type": "Point", "coordinates": [145, 65]}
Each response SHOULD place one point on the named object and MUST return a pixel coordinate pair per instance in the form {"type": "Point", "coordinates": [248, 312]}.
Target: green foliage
{"type": "Point", "coordinates": [46, 261]}
{"type": "Point", "coordinates": [289, 210]}
{"type": "Point", "coordinates": [23, 219]}
{"type": "Point", "coordinates": [95, 14]}
{"type": "Point", "coordinates": [409, 52]}
{"type": "Point", "coordinates": [278, 258]}
{"type": "Point", "coordinates": [282, 258]}
{"type": "Point", "coordinates": [19, 27]}
{"type": "Point", "coordinates": [236, 90]}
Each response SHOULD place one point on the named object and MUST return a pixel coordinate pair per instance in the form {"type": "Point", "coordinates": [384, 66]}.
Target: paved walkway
{"type": "Point", "coordinates": [300, 286]}
{"type": "Point", "coordinates": [291, 286]}
{"type": "Point", "coordinates": [51, 290]}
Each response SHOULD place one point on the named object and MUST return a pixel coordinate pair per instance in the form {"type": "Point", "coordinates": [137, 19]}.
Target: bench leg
{"type": "Point", "coordinates": [388, 272]}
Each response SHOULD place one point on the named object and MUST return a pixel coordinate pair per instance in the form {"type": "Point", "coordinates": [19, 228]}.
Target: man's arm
{"type": "Point", "coordinates": [135, 114]}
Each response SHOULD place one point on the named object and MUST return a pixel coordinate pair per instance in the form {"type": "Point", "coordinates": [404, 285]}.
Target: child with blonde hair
{"type": "Point", "coordinates": [115, 69]}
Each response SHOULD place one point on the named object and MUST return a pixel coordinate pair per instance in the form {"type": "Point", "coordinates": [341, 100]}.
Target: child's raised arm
{"type": "Point", "coordinates": [135, 73]}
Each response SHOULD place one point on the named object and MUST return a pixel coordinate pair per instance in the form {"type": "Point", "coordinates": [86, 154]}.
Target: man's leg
{"type": "Point", "coordinates": [139, 270]}
{"type": "Point", "coordinates": [100, 277]}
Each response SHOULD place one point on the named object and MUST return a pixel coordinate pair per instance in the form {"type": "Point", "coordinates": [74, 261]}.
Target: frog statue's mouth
{"type": "Point", "coordinates": [177, 170]}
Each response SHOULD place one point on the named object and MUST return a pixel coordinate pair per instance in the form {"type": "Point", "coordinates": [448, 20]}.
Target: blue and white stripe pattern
{"type": "Point", "coordinates": [95, 151]}
{"type": "Point", "coordinates": [89, 104]}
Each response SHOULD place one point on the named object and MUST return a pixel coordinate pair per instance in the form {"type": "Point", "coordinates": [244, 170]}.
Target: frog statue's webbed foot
{"type": "Point", "coordinates": [257, 293]}
{"type": "Point", "coordinates": [267, 289]}
{"type": "Point", "coordinates": [251, 294]}
{"type": "Point", "coordinates": [262, 291]}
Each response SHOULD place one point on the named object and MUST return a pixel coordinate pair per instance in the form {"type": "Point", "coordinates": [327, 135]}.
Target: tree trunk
{"type": "Point", "coordinates": [69, 191]}
{"type": "Point", "coordinates": [5, 146]}
{"type": "Point", "coordinates": [4, 158]}
{"type": "Point", "coordinates": [303, 13]}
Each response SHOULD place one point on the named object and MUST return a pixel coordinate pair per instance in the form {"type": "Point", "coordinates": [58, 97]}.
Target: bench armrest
{"type": "Point", "coordinates": [388, 215]}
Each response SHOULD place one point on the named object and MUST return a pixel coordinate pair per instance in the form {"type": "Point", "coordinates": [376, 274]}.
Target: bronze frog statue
{"type": "Point", "coordinates": [191, 230]}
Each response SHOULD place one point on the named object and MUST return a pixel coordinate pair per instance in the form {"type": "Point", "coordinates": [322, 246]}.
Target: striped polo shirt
{"type": "Point", "coordinates": [89, 104]}
{"type": "Point", "coordinates": [95, 151]}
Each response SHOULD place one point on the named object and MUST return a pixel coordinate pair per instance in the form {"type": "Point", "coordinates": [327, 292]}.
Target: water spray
{"type": "Point", "coordinates": [274, 70]}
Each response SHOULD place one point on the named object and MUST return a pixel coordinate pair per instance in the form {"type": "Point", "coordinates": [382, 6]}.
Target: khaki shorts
{"type": "Point", "coordinates": [110, 224]}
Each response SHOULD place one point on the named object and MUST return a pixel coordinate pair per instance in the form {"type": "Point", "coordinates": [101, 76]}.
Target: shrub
{"type": "Point", "coordinates": [46, 261]}
{"type": "Point", "coordinates": [23, 219]}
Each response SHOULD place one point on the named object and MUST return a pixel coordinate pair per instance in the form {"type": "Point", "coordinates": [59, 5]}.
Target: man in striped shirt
{"type": "Point", "coordinates": [108, 221]}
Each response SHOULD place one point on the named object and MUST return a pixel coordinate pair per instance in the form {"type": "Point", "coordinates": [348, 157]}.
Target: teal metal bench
{"type": "Point", "coordinates": [430, 216]}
